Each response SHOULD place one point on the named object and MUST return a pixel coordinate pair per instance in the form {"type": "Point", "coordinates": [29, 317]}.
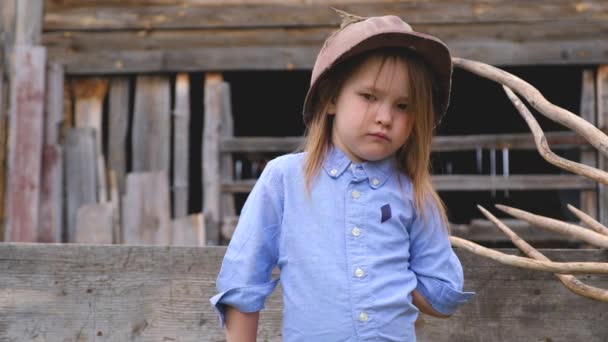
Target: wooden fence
{"type": "Point", "coordinates": [74, 292]}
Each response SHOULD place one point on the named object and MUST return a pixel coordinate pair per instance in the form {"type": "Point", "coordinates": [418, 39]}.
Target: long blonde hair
{"type": "Point", "coordinates": [413, 158]}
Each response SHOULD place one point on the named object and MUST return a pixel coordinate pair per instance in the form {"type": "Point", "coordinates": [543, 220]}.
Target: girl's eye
{"type": "Point", "coordinates": [368, 96]}
{"type": "Point", "coordinates": [402, 106]}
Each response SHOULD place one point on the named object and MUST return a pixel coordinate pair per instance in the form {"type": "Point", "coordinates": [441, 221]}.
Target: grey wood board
{"type": "Point", "coordinates": [149, 293]}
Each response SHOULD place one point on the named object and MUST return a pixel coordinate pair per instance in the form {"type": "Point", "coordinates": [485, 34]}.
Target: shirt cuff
{"type": "Point", "coordinates": [245, 299]}
{"type": "Point", "coordinates": [443, 297]}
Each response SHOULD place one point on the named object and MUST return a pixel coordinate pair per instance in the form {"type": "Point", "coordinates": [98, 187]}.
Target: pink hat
{"type": "Point", "coordinates": [358, 35]}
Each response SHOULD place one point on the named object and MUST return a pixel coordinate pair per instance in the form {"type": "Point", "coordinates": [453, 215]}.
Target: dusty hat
{"type": "Point", "coordinates": [358, 34]}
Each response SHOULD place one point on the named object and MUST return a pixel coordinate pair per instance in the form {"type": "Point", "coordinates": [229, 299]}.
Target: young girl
{"type": "Point", "coordinates": [353, 223]}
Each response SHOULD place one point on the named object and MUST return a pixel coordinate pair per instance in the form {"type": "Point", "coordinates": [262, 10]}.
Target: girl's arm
{"type": "Point", "coordinates": [424, 306]}
{"type": "Point", "coordinates": [241, 326]}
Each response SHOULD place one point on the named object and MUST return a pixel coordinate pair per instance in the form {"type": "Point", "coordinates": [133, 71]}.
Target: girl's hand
{"type": "Point", "coordinates": [424, 306]}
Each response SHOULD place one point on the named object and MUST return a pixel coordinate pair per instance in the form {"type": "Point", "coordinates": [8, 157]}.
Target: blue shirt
{"type": "Point", "coordinates": [349, 255]}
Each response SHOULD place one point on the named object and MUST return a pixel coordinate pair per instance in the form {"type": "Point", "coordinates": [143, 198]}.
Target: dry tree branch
{"type": "Point", "coordinates": [592, 134]}
{"type": "Point", "coordinates": [570, 281]}
{"type": "Point", "coordinates": [589, 221]}
{"type": "Point", "coordinates": [545, 151]}
{"type": "Point", "coordinates": [557, 226]}
{"type": "Point", "coordinates": [537, 265]}
{"type": "Point", "coordinates": [595, 137]}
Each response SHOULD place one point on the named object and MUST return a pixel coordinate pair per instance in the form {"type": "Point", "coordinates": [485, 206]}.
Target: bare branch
{"type": "Point", "coordinates": [543, 147]}
{"type": "Point", "coordinates": [591, 133]}
{"type": "Point", "coordinates": [589, 221]}
{"type": "Point", "coordinates": [570, 281]}
{"type": "Point", "coordinates": [537, 265]}
{"type": "Point", "coordinates": [557, 226]}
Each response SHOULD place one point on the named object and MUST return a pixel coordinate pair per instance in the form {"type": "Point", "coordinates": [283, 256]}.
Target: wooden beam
{"type": "Point", "coordinates": [181, 146]}
{"type": "Point", "coordinates": [512, 141]}
{"type": "Point", "coordinates": [89, 95]}
{"type": "Point", "coordinates": [296, 48]}
{"type": "Point", "coordinates": [153, 15]}
{"type": "Point", "coordinates": [146, 213]}
{"type": "Point", "coordinates": [588, 112]}
{"type": "Point", "coordinates": [164, 294]}
{"type": "Point", "coordinates": [26, 119]}
{"type": "Point", "coordinates": [94, 224]}
{"type": "Point", "coordinates": [80, 164]}
{"type": "Point", "coordinates": [118, 113]}
{"type": "Point", "coordinates": [214, 88]}
{"type": "Point", "coordinates": [151, 144]}
{"type": "Point", "coordinates": [602, 122]}
{"type": "Point", "coordinates": [188, 230]}
{"type": "Point", "coordinates": [473, 183]}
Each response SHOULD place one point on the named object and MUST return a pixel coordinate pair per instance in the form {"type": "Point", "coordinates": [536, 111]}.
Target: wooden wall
{"type": "Point", "coordinates": [101, 36]}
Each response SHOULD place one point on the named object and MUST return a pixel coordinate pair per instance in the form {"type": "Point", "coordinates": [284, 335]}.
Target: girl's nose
{"type": "Point", "coordinates": [383, 114]}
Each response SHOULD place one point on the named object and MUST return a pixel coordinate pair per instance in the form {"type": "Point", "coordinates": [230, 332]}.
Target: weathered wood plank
{"type": "Point", "coordinates": [181, 145]}
{"type": "Point", "coordinates": [73, 15]}
{"type": "Point", "coordinates": [94, 223]}
{"type": "Point", "coordinates": [51, 193]}
{"type": "Point", "coordinates": [188, 230]}
{"type": "Point", "coordinates": [3, 147]}
{"type": "Point", "coordinates": [473, 183]}
{"type": "Point", "coordinates": [588, 112]}
{"type": "Point", "coordinates": [28, 22]}
{"type": "Point", "coordinates": [80, 165]}
{"type": "Point", "coordinates": [151, 130]}
{"type": "Point", "coordinates": [26, 120]}
{"type": "Point", "coordinates": [118, 112]}
{"type": "Point", "coordinates": [214, 87]}
{"type": "Point", "coordinates": [513, 141]}
{"type": "Point", "coordinates": [151, 293]}
{"type": "Point", "coordinates": [89, 94]}
{"type": "Point", "coordinates": [602, 122]}
{"type": "Point", "coordinates": [146, 215]}
{"type": "Point", "coordinates": [286, 49]}
{"type": "Point", "coordinates": [227, 205]}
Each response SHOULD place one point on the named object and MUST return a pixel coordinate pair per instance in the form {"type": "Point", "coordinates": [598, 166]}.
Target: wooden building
{"type": "Point", "coordinates": [146, 122]}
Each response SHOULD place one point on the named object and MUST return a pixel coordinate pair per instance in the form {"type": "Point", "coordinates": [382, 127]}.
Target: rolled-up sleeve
{"type": "Point", "coordinates": [244, 280]}
{"type": "Point", "coordinates": [437, 268]}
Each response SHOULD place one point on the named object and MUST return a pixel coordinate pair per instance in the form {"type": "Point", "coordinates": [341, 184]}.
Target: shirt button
{"type": "Point", "coordinates": [359, 272]}
{"type": "Point", "coordinates": [333, 172]}
{"type": "Point", "coordinates": [363, 317]}
{"type": "Point", "coordinates": [355, 194]}
{"type": "Point", "coordinates": [375, 181]}
{"type": "Point", "coordinates": [356, 231]}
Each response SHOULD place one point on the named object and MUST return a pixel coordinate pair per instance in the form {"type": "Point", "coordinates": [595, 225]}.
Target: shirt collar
{"type": "Point", "coordinates": [336, 162]}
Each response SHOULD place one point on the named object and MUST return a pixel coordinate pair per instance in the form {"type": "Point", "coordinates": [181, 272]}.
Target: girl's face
{"type": "Point", "coordinates": [372, 114]}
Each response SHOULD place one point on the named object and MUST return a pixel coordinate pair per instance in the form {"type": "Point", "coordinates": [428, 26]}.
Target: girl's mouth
{"type": "Point", "coordinates": [380, 135]}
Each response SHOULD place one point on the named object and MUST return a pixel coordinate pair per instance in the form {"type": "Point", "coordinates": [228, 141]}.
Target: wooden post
{"type": "Point", "coordinates": [181, 117]}
{"type": "Point", "coordinates": [227, 208]}
{"type": "Point", "coordinates": [602, 123]}
{"type": "Point", "coordinates": [25, 143]}
{"type": "Point", "coordinates": [79, 174]}
{"type": "Point", "coordinates": [51, 195]}
{"type": "Point", "coordinates": [3, 124]}
{"type": "Point", "coordinates": [88, 109]}
{"type": "Point", "coordinates": [94, 224]}
{"type": "Point", "coordinates": [188, 230]}
{"type": "Point", "coordinates": [118, 125]}
{"type": "Point", "coordinates": [211, 157]}
{"type": "Point", "coordinates": [146, 212]}
{"type": "Point", "coordinates": [151, 124]}
{"type": "Point", "coordinates": [588, 198]}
